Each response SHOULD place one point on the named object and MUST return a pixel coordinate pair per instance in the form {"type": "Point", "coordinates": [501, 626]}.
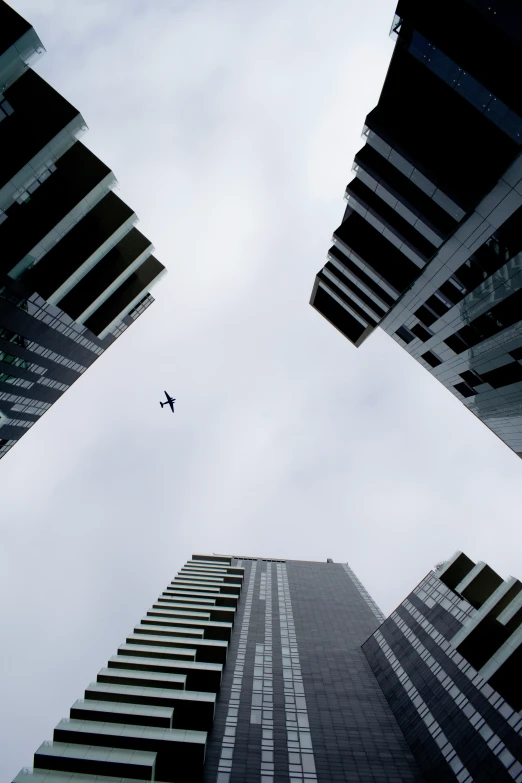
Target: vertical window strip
{"type": "Point", "coordinates": [229, 738]}
{"type": "Point", "coordinates": [262, 586]}
{"type": "Point", "coordinates": [493, 741]}
{"type": "Point", "coordinates": [263, 683]}
{"type": "Point", "coordinates": [448, 751]}
{"type": "Point", "coordinates": [299, 739]}
{"type": "Point", "coordinates": [364, 593]}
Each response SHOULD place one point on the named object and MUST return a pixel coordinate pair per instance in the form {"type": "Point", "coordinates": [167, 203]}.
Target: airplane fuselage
{"type": "Point", "coordinates": [170, 401]}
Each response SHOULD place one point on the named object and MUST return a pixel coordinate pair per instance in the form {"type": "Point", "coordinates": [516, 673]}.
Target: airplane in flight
{"type": "Point", "coordinates": [170, 401]}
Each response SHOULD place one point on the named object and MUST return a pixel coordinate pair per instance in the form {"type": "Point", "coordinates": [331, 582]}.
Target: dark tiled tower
{"type": "Point", "coordinates": [430, 244]}
{"type": "Point", "coordinates": [74, 271]}
{"type": "Point", "coordinates": [299, 701]}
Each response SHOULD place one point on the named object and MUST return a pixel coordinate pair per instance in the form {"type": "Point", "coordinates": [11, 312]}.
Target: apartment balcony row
{"type": "Point", "coordinates": [148, 714]}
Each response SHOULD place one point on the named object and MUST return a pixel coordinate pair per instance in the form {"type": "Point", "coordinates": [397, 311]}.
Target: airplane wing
{"type": "Point", "coordinates": [171, 403]}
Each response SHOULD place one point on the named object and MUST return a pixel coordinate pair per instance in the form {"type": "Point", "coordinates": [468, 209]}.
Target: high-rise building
{"type": "Point", "coordinates": [74, 270]}
{"type": "Point", "coordinates": [448, 660]}
{"type": "Point", "coordinates": [430, 244]}
{"type": "Point", "coordinates": [250, 669]}
{"type": "Point", "coordinates": [243, 670]}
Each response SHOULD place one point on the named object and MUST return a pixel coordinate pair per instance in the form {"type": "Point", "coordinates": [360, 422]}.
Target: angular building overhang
{"type": "Point", "coordinates": [433, 218]}
{"type": "Point", "coordinates": [491, 639]}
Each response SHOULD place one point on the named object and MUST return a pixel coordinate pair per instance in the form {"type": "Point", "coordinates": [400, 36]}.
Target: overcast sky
{"type": "Point", "coordinates": [231, 126]}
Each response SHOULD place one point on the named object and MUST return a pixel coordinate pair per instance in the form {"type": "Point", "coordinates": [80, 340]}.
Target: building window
{"type": "Point", "coordinates": [504, 314]}
{"type": "Point", "coordinates": [15, 381]}
{"type": "Point", "coordinates": [23, 195]}
{"type": "Point", "coordinates": [425, 315]}
{"type": "Point", "coordinates": [456, 343]}
{"type": "Point", "coordinates": [503, 376]}
{"type": "Point", "coordinates": [404, 334]}
{"type": "Point", "coordinates": [471, 378]}
{"type": "Point", "coordinates": [5, 109]}
{"type": "Point", "coordinates": [452, 290]}
{"type": "Point", "coordinates": [431, 358]}
{"type": "Point", "coordinates": [464, 389]}
{"type": "Point", "coordinates": [7, 334]}
{"type": "Point", "coordinates": [422, 333]}
{"type": "Point", "coordinates": [438, 304]}
{"type": "Point", "coordinates": [14, 360]}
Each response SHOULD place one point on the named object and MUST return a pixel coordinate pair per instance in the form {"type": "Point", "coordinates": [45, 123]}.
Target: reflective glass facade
{"type": "Point", "coordinates": [74, 271]}
{"type": "Point", "coordinates": [429, 247]}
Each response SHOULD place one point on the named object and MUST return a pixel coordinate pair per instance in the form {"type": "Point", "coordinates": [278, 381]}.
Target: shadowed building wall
{"type": "Point", "coordinates": [74, 271]}
{"type": "Point", "coordinates": [430, 243]}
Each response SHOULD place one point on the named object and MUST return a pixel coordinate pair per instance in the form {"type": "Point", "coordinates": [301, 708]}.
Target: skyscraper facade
{"type": "Point", "coordinates": [448, 660]}
{"type": "Point", "coordinates": [298, 700]}
{"type": "Point", "coordinates": [265, 670]}
{"type": "Point", "coordinates": [430, 244]}
{"type": "Point", "coordinates": [74, 270]}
